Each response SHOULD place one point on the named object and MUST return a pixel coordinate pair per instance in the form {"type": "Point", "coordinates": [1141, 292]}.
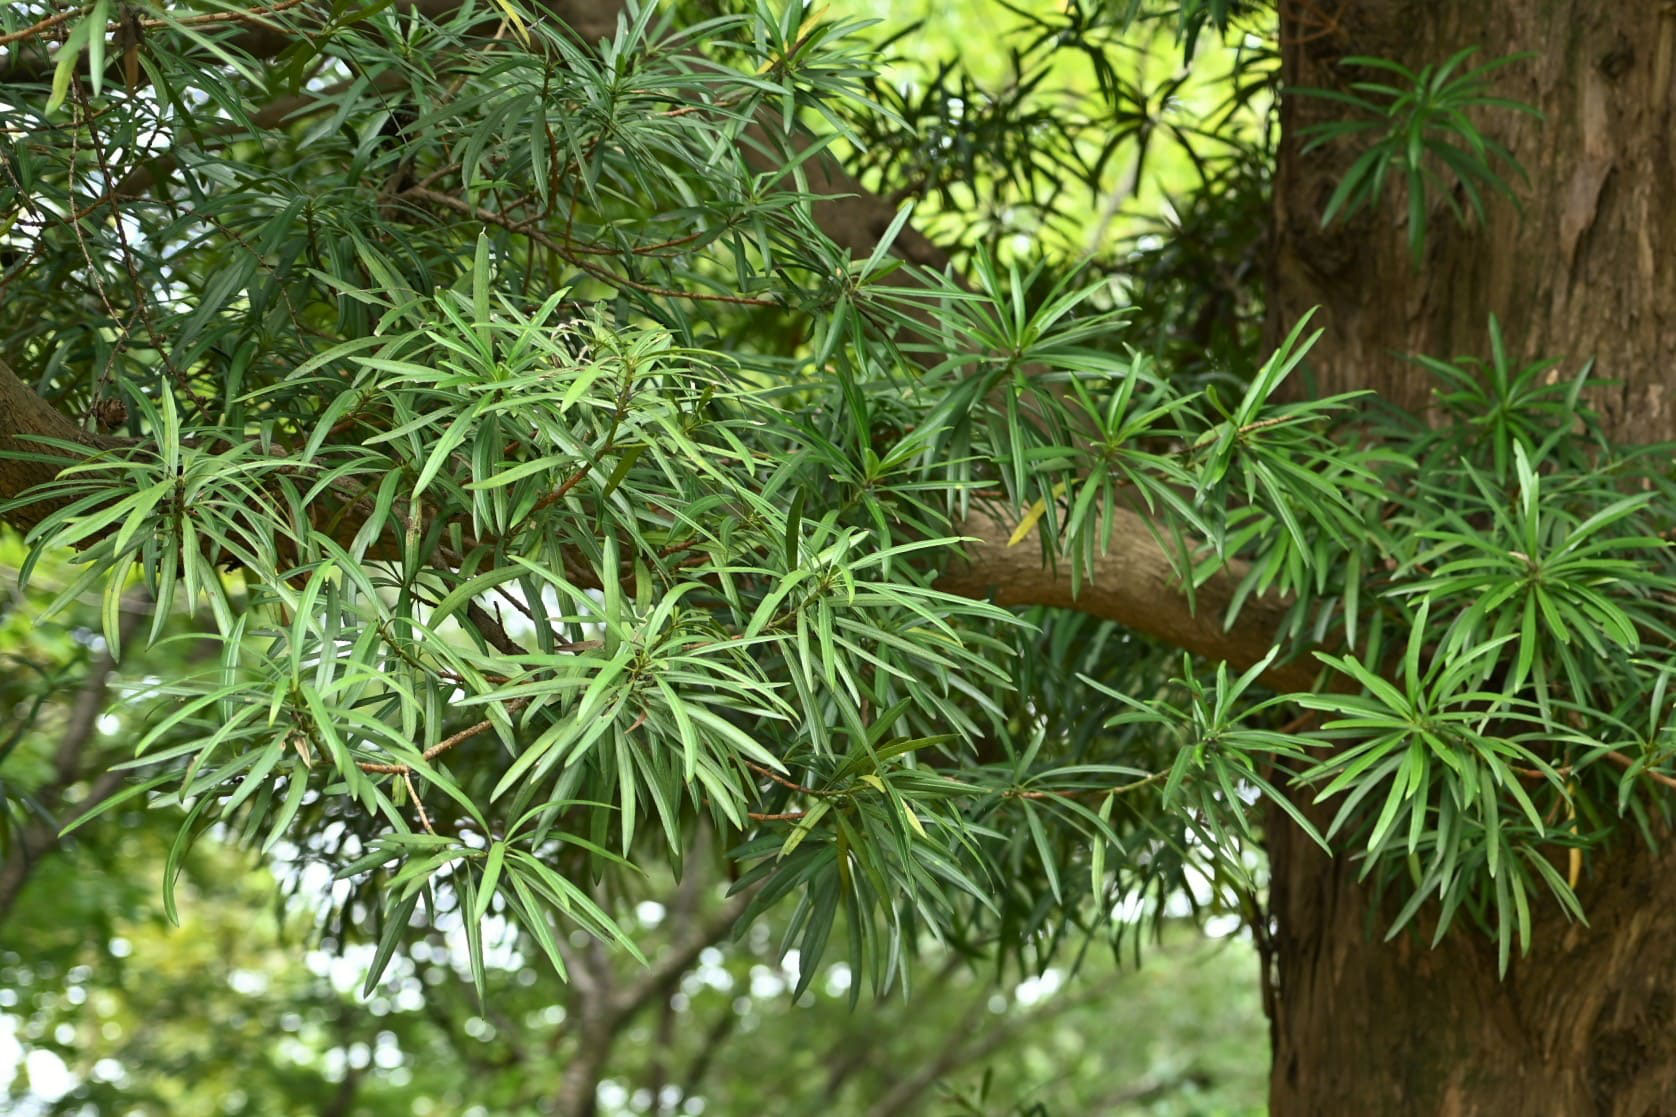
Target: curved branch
{"type": "Point", "coordinates": [25, 462]}
{"type": "Point", "coordinates": [1134, 583]}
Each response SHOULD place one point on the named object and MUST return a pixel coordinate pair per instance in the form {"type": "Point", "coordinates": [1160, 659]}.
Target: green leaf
{"type": "Point", "coordinates": [64, 71]}
{"type": "Point", "coordinates": [397, 915]}
{"type": "Point", "coordinates": [491, 877]}
{"type": "Point", "coordinates": [97, 22]}
{"type": "Point", "coordinates": [474, 934]}
{"type": "Point", "coordinates": [177, 855]}
{"type": "Point", "coordinates": [794, 530]}
{"type": "Point", "coordinates": [805, 826]}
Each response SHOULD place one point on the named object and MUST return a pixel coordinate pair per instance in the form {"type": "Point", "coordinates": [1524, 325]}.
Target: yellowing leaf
{"type": "Point", "coordinates": [1574, 856]}
{"type": "Point", "coordinates": [516, 20]}
{"type": "Point", "coordinates": [1031, 515]}
{"type": "Point", "coordinates": [804, 827]}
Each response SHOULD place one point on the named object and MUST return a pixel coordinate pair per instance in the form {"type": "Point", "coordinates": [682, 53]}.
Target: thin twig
{"type": "Point", "coordinates": [1626, 763]}
{"type": "Point", "coordinates": [443, 745]}
{"type": "Point", "coordinates": [436, 197]}
{"type": "Point", "coordinates": [413, 792]}
{"type": "Point", "coordinates": [248, 15]}
{"type": "Point", "coordinates": [762, 770]}
{"type": "Point", "coordinates": [563, 490]}
{"type": "Point", "coordinates": [251, 15]}
{"type": "Point", "coordinates": [1077, 793]}
{"type": "Point", "coordinates": [43, 26]}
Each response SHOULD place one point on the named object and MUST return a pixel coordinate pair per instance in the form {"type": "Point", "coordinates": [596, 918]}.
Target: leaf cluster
{"type": "Point", "coordinates": [1418, 124]}
{"type": "Point", "coordinates": [552, 486]}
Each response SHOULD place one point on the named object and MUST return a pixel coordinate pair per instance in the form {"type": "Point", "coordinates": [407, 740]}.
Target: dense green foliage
{"type": "Point", "coordinates": [541, 485]}
{"type": "Point", "coordinates": [250, 1000]}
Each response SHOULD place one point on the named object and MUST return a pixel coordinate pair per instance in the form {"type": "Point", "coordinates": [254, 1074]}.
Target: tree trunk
{"type": "Point", "coordinates": [1586, 1023]}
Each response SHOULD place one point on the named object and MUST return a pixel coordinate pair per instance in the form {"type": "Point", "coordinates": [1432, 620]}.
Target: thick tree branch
{"type": "Point", "coordinates": [715, 1038]}
{"type": "Point", "coordinates": [858, 1054]}
{"type": "Point", "coordinates": [1134, 583]}
{"type": "Point", "coordinates": [604, 1008]}
{"type": "Point", "coordinates": [24, 417]}
{"type": "Point", "coordinates": [682, 910]}
{"type": "Point", "coordinates": [852, 216]}
{"type": "Point", "coordinates": [595, 1028]}
{"type": "Point", "coordinates": [679, 958]}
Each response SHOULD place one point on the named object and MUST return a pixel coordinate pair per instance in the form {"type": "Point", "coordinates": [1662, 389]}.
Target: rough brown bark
{"type": "Point", "coordinates": [24, 419]}
{"type": "Point", "coordinates": [1583, 271]}
{"type": "Point", "coordinates": [1132, 582]}
{"type": "Point", "coordinates": [1584, 1024]}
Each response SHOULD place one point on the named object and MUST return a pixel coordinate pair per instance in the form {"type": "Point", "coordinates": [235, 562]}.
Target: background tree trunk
{"type": "Point", "coordinates": [1587, 1023]}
